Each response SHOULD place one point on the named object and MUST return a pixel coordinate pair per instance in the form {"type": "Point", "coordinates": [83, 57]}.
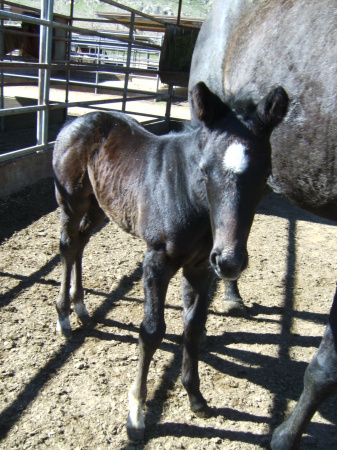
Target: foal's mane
{"type": "Point", "coordinates": [242, 104]}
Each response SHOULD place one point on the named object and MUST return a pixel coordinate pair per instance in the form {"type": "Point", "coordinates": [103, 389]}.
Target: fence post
{"type": "Point", "coordinates": [68, 51]}
{"type": "Point", "coordinates": [46, 36]}
{"type": "Point", "coordinates": [128, 60]}
{"type": "Point", "coordinates": [2, 51]}
{"type": "Point", "coordinates": [98, 62]}
{"type": "Point", "coordinates": [168, 104]}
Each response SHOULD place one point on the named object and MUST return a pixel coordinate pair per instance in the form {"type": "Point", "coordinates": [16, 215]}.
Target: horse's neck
{"type": "Point", "coordinates": [184, 152]}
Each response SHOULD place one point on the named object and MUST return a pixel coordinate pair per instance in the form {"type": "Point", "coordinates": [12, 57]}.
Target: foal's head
{"type": "Point", "coordinates": [236, 162]}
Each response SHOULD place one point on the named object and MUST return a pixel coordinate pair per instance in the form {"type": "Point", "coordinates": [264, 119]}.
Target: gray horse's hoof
{"type": "Point", "coordinates": [284, 439]}
{"type": "Point", "coordinates": [135, 434]}
{"type": "Point", "coordinates": [234, 308]}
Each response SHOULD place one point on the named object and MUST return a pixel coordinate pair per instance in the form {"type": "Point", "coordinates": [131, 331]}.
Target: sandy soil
{"type": "Point", "coordinates": [73, 395]}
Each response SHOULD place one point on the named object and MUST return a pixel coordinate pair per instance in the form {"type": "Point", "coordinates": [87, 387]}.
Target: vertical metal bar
{"type": "Point", "coordinates": [2, 52]}
{"type": "Point", "coordinates": [179, 12]}
{"type": "Point", "coordinates": [98, 61]}
{"type": "Point", "coordinates": [69, 36]}
{"type": "Point", "coordinates": [128, 60]}
{"type": "Point", "coordinates": [42, 52]}
{"type": "Point", "coordinates": [46, 36]}
{"type": "Point", "coordinates": [169, 103]}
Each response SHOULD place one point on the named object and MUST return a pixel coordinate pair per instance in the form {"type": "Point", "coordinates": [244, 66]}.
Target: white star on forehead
{"type": "Point", "coordinates": [236, 159]}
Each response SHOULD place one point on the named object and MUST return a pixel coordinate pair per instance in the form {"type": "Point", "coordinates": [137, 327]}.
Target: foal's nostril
{"type": "Point", "coordinates": [214, 257]}
{"type": "Point", "coordinates": [228, 265]}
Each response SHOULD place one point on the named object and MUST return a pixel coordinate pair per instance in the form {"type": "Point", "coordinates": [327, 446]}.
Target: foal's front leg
{"type": "Point", "coordinates": [196, 283]}
{"type": "Point", "coordinates": [232, 303]}
{"type": "Point", "coordinates": [156, 276]}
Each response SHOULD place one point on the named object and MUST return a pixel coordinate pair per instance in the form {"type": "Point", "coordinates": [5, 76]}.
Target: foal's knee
{"type": "Point", "coordinates": [152, 333]}
{"type": "Point", "coordinates": [68, 245]}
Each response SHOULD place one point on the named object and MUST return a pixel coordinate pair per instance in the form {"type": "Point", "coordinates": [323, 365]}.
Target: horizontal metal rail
{"type": "Point", "coordinates": [61, 105]}
{"type": "Point", "coordinates": [77, 66]}
{"type": "Point", "coordinates": [102, 66]}
{"type": "Point", "coordinates": [26, 151]}
{"type": "Point", "coordinates": [60, 81]}
{"type": "Point", "coordinates": [134, 11]}
{"type": "Point", "coordinates": [21, 17]}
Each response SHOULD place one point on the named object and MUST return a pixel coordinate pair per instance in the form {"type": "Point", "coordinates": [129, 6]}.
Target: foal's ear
{"type": "Point", "coordinates": [273, 108]}
{"type": "Point", "coordinates": [207, 107]}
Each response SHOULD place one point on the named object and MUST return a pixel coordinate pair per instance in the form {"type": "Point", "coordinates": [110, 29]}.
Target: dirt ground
{"type": "Point", "coordinates": [73, 395]}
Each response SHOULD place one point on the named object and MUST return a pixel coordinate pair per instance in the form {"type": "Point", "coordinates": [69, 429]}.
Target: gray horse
{"type": "Point", "coordinates": [251, 47]}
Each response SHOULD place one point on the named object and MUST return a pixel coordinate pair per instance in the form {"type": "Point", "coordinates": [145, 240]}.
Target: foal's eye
{"type": "Point", "coordinates": [267, 175]}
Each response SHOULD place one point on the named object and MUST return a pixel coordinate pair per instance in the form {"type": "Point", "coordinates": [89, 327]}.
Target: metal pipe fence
{"type": "Point", "coordinates": [139, 59]}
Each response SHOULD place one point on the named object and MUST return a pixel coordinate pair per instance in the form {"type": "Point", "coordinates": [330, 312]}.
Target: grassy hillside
{"type": "Point", "coordinates": [88, 8]}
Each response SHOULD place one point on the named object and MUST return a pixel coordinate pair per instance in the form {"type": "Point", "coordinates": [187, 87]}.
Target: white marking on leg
{"type": "Point", "coordinates": [136, 418]}
{"type": "Point", "coordinates": [81, 310]}
{"type": "Point", "coordinates": [236, 159]}
{"type": "Point", "coordinates": [63, 325]}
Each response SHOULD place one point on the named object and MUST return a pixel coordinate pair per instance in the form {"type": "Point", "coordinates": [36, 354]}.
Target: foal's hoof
{"type": "Point", "coordinates": [204, 413]}
{"type": "Point", "coordinates": [200, 408]}
{"type": "Point", "coordinates": [82, 314]}
{"type": "Point", "coordinates": [234, 308]}
{"type": "Point", "coordinates": [63, 328]}
{"type": "Point", "coordinates": [83, 320]}
{"type": "Point", "coordinates": [135, 434]}
{"type": "Point", "coordinates": [65, 334]}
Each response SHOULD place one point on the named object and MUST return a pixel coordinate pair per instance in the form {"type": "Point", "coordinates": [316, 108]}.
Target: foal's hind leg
{"type": "Point", "coordinates": [77, 223]}
{"type": "Point", "coordinates": [69, 245]}
{"type": "Point", "coordinates": [196, 283]}
{"type": "Point", "coordinates": [320, 381]}
{"type": "Point", "coordinates": [156, 276]}
{"type": "Point", "coordinates": [92, 219]}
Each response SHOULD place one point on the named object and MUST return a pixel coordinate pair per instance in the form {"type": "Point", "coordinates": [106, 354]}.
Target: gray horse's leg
{"type": "Point", "coordinates": [232, 303]}
{"type": "Point", "coordinates": [320, 381]}
{"type": "Point", "coordinates": [196, 283]}
{"type": "Point", "coordinates": [156, 276]}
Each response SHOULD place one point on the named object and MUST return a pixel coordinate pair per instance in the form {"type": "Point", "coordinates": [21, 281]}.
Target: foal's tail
{"type": "Point", "coordinates": [70, 159]}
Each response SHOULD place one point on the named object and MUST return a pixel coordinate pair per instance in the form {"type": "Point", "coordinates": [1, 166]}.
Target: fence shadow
{"type": "Point", "coordinates": [19, 210]}
{"type": "Point", "coordinates": [11, 415]}
{"type": "Point", "coordinates": [39, 200]}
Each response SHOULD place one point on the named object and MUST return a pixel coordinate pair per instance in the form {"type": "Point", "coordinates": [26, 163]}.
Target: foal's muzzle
{"type": "Point", "coordinates": [228, 265]}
